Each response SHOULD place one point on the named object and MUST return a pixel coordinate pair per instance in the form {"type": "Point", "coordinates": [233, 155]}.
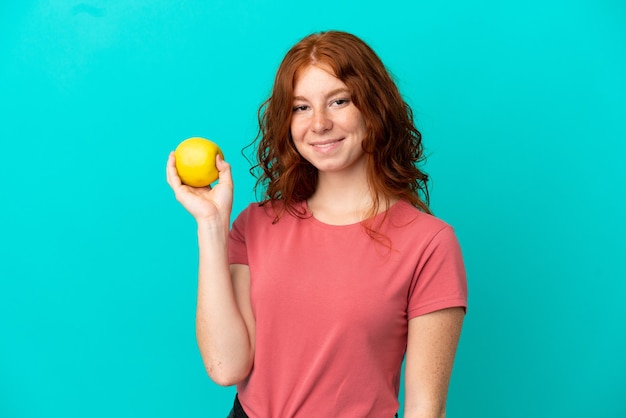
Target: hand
{"type": "Point", "coordinates": [204, 203]}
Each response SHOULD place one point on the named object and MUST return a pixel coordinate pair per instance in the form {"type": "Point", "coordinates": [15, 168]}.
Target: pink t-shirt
{"type": "Point", "coordinates": [332, 306]}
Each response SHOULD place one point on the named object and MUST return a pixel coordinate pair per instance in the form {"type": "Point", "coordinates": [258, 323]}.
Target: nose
{"type": "Point", "coordinates": [321, 122]}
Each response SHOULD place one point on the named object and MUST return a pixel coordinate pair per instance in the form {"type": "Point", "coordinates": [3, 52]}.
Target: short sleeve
{"type": "Point", "coordinates": [440, 279]}
{"type": "Point", "coordinates": [237, 250]}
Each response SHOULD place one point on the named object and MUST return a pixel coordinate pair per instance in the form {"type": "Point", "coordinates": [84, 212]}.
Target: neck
{"type": "Point", "coordinates": [341, 199]}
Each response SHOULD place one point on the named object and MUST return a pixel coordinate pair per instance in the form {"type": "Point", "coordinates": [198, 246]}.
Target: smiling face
{"type": "Point", "coordinates": [326, 127]}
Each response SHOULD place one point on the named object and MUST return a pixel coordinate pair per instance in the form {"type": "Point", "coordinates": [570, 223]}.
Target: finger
{"type": "Point", "coordinates": [171, 173]}
{"type": "Point", "coordinates": [223, 168]}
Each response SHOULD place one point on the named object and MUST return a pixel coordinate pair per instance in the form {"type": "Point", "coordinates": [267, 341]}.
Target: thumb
{"type": "Point", "coordinates": [223, 168]}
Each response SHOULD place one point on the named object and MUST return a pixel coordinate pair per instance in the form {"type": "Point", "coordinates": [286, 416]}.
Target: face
{"type": "Point", "coordinates": [326, 127]}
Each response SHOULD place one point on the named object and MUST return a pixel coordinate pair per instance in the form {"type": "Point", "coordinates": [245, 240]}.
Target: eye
{"type": "Point", "coordinates": [340, 102]}
{"type": "Point", "coordinates": [299, 108]}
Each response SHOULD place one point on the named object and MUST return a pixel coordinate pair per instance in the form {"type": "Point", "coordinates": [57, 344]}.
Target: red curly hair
{"type": "Point", "coordinates": [393, 144]}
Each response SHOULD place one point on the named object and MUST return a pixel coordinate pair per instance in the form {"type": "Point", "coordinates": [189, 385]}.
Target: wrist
{"type": "Point", "coordinates": [212, 228]}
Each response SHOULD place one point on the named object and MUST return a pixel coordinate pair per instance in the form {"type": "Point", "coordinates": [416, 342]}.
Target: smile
{"type": "Point", "coordinates": [327, 144]}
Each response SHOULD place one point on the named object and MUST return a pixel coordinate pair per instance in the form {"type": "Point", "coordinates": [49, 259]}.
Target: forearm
{"type": "Point", "coordinates": [223, 337]}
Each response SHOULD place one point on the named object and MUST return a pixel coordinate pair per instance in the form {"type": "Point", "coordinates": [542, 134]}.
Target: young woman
{"type": "Point", "coordinates": [314, 298]}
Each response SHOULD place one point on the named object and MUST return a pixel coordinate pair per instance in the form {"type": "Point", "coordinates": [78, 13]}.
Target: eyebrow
{"type": "Point", "coordinates": [331, 93]}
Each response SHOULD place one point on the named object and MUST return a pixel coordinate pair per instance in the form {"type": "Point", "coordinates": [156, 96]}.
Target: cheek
{"type": "Point", "coordinates": [297, 129]}
{"type": "Point", "coordinates": [354, 119]}
{"type": "Point", "coordinates": [358, 124]}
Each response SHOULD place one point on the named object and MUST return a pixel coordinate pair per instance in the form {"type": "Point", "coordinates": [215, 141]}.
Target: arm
{"type": "Point", "coordinates": [224, 321]}
{"type": "Point", "coordinates": [431, 347]}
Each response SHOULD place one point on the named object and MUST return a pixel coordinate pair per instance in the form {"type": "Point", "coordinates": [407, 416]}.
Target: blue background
{"type": "Point", "coordinates": [522, 108]}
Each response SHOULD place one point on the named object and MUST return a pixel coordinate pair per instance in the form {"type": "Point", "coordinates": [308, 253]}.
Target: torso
{"type": "Point", "coordinates": [331, 309]}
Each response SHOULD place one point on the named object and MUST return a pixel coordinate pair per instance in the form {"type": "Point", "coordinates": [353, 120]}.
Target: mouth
{"type": "Point", "coordinates": [326, 144]}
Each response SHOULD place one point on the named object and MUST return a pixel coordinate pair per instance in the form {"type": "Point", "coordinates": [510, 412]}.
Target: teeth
{"type": "Point", "coordinates": [325, 145]}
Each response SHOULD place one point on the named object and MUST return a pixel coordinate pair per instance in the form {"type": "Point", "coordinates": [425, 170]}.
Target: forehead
{"type": "Point", "coordinates": [316, 76]}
